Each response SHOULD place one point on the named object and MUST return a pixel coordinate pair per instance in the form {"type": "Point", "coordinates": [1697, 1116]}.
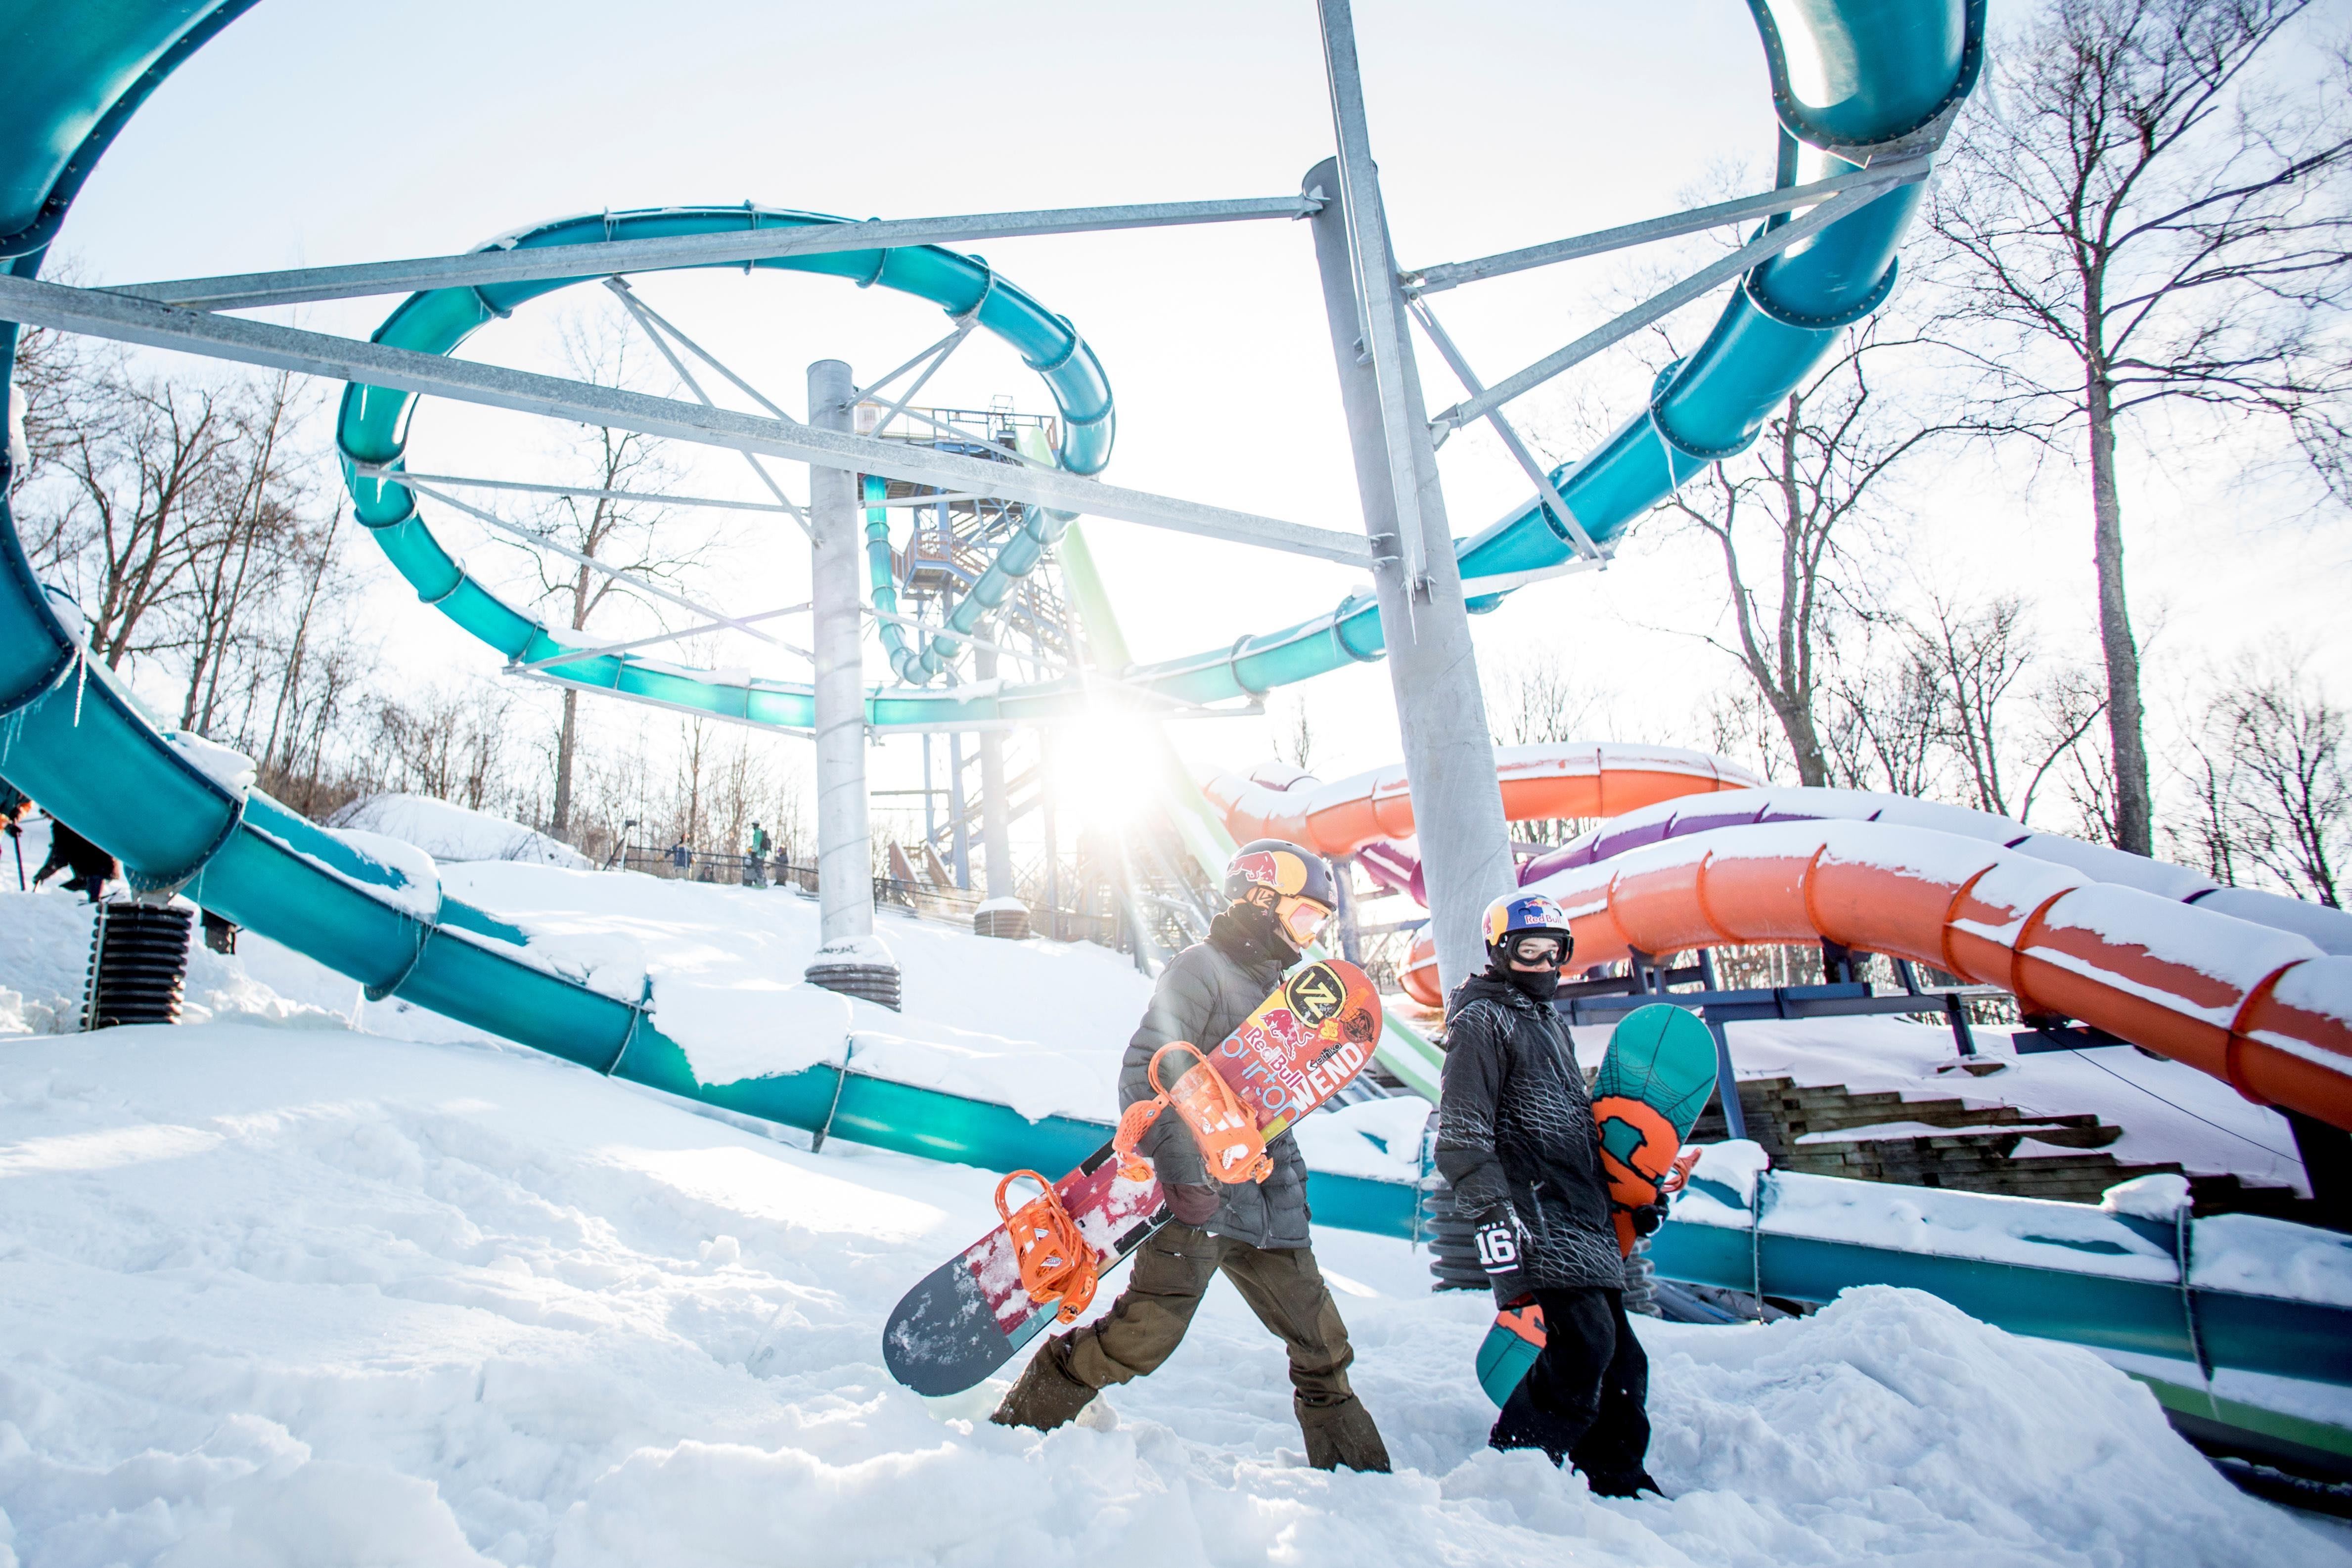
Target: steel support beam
{"type": "Point", "coordinates": [1547, 492]}
{"type": "Point", "coordinates": [1432, 669]}
{"type": "Point", "coordinates": [995, 806]}
{"type": "Point", "coordinates": [1697, 220]}
{"type": "Point", "coordinates": [1382, 338]}
{"type": "Point", "coordinates": [105, 315]}
{"type": "Point", "coordinates": [586, 492]}
{"type": "Point", "coordinates": [845, 856]}
{"type": "Point", "coordinates": [1657, 306]}
{"type": "Point", "coordinates": [248, 290]}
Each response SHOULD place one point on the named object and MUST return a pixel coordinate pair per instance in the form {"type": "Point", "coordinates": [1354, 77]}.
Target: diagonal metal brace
{"type": "Point", "coordinates": [114, 316]}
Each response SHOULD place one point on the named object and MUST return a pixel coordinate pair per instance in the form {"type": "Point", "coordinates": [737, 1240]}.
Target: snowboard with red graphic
{"type": "Point", "coordinates": [1300, 1046]}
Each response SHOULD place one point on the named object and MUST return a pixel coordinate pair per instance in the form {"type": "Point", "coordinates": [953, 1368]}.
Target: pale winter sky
{"type": "Point", "coordinates": [313, 134]}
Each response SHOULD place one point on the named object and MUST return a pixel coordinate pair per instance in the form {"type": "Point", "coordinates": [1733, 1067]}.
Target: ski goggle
{"type": "Point", "coordinates": [1301, 917]}
{"type": "Point", "coordinates": [1538, 948]}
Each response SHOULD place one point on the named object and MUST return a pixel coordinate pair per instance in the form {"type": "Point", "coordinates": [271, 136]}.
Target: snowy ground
{"type": "Point", "coordinates": [321, 1281]}
{"type": "Point", "coordinates": [280, 1295]}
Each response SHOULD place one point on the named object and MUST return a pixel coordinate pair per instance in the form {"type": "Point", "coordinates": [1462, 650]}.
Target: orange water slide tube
{"type": "Point", "coordinates": [1576, 779]}
{"type": "Point", "coordinates": [2265, 1010]}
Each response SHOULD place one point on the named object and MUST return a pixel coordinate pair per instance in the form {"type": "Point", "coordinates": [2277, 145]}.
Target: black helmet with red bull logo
{"type": "Point", "coordinates": [1289, 881]}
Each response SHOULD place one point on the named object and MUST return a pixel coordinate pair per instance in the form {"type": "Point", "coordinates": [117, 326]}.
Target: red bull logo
{"type": "Point", "coordinates": [1260, 867]}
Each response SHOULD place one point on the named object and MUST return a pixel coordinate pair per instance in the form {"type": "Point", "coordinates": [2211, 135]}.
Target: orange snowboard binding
{"type": "Point", "coordinates": [1231, 1145]}
{"type": "Point", "coordinates": [1056, 1264]}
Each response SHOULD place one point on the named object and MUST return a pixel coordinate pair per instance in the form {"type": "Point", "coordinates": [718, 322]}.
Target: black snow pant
{"type": "Point", "coordinates": [1172, 1272]}
{"type": "Point", "coordinates": [1583, 1399]}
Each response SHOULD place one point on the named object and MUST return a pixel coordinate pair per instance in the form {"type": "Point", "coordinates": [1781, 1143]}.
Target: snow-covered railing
{"type": "Point", "coordinates": [2235, 1291]}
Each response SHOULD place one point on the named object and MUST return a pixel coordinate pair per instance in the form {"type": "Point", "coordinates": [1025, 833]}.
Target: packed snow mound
{"type": "Point", "coordinates": [336, 1298]}
{"type": "Point", "coordinates": [455, 833]}
{"type": "Point", "coordinates": [1036, 1025]}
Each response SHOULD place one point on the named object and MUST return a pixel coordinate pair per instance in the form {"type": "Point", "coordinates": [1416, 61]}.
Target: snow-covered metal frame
{"type": "Point", "coordinates": [106, 313]}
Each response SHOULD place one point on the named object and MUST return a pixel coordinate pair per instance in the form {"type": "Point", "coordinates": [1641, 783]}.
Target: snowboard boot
{"type": "Point", "coordinates": [1631, 1483]}
{"type": "Point", "coordinates": [1525, 1425]}
{"type": "Point", "coordinates": [1341, 1434]}
{"type": "Point", "coordinates": [1047, 1395]}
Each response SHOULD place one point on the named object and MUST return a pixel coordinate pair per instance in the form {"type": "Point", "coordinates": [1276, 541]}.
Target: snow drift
{"type": "Point", "coordinates": [275, 1297]}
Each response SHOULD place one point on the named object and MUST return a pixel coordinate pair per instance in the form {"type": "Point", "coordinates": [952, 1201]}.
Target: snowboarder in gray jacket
{"type": "Point", "coordinates": [1516, 1139]}
{"type": "Point", "coordinates": [1255, 1233]}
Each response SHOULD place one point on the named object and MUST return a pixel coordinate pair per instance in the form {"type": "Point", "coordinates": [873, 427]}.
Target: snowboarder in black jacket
{"type": "Point", "coordinates": [1516, 1139]}
{"type": "Point", "coordinates": [1255, 1233]}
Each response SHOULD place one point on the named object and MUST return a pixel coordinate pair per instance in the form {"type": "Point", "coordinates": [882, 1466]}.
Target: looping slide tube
{"type": "Point", "coordinates": [2265, 1010]}
{"type": "Point", "coordinates": [1042, 528]}
{"type": "Point", "coordinates": [373, 435]}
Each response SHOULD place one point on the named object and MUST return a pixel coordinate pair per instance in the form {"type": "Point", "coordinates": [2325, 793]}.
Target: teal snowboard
{"type": "Point", "coordinates": [1655, 1081]}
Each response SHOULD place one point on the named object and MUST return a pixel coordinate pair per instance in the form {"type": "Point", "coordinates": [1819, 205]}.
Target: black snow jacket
{"type": "Point", "coordinates": [1203, 995]}
{"type": "Point", "coordinates": [1515, 1124]}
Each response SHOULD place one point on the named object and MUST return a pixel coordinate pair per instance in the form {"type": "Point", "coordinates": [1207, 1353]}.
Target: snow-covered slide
{"type": "Point", "coordinates": [1370, 814]}
{"type": "Point", "coordinates": [2330, 929]}
{"type": "Point", "coordinates": [2263, 1009]}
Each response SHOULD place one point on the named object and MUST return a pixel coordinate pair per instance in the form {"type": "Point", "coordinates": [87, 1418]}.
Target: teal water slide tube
{"type": "Point", "coordinates": [1871, 75]}
{"type": "Point", "coordinates": [178, 815]}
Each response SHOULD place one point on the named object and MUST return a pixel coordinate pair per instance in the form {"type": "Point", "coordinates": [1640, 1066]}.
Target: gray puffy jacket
{"type": "Point", "coordinates": [1203, 995]}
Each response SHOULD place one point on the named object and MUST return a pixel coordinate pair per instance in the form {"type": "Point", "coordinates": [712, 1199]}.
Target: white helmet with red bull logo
{"type": "Point", "coordinates": [1289, 881]}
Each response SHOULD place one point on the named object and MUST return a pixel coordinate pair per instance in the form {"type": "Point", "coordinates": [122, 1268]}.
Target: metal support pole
{"type": "Point", "coordinates": [1955, 1013]}
{"type": "Point", "coordinates": [1053, 832]}
{"type": "Point", "coordinates": [1726, 1081]}
{"type": "Point", "coordinates": [995, 810]}
{"type": "Point", "coordinates": [844, 855]}
{"type": "Point", "coordinates": [958, 835]}
{"type": "Point", "coordinates": [1449, 755]}
{"type": "Point", "coordinates": [930, 799]}
{"type": "Point", "coordinates": [1343, 886]}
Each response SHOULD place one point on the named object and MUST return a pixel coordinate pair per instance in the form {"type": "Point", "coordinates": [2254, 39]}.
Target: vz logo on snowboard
{"type": "Point", "coordinates": [1315, 996]}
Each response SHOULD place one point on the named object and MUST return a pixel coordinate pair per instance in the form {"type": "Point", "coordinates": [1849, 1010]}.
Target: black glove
{"type": "Point", "coordinates": [1502, 1246]}
{"type": "Point", "coordinates": [1646, 1218]}
{"type": "Point", "coordinates": [1193, 1206]}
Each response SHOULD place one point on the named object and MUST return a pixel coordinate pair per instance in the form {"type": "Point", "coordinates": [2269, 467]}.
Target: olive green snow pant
{"type": "Point", "coordinates": [1144, 1327]}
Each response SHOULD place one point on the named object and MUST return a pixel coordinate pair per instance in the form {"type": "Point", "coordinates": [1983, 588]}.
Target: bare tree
{"type": "Point", "coordinates": [1294, 742]}
{"type": "Point", "coordinates": [1883, 710]}
{"type": "Point", "coordinates": [1821, 462]}
{"type": "Point", "coordinates": [1535, 701]}
{"type": "Point", "coordinates": [245, 547]}
{"type": "Point", "coordinates": [142, 461]}
{"type": "Point", "coordinates": [2141, 219]}
{"type": "Point", "coordinates": [2272, 782]}
{"type": "Point", "coordinates": [632, 540]}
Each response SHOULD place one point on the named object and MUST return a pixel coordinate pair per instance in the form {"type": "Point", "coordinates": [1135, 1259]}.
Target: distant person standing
{"type": "Point", "coordinates": [755, 865]}
{"type": "Point", "coordinates": [13, 804]}
{"type": "Point", "coordinates": [1515, 1137]}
